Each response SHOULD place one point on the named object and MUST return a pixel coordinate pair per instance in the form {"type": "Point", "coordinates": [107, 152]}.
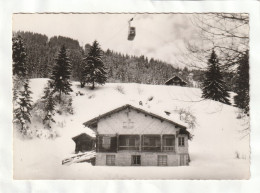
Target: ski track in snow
{"type": "Point", "coordinates": [217, 138]}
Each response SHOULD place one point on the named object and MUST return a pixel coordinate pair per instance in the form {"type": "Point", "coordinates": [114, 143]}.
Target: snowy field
{"type": "Point", "coordinates": [218, 150]}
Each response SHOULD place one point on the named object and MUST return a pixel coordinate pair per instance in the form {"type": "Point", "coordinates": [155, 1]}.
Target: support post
{"type": "Point", "coordinates": [140, 143]}
{"type": "Point", "coordinates": [175, 144]}
{"type": "Point", "coordinates": [97, 141]}
{"type": "Point", "coordinates": [117, 142]}
{"type": "Point", "coordinates": [161, 143]}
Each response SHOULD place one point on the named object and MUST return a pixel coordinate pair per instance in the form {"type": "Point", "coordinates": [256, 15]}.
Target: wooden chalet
{"type": "Point", "coordinates": [84, 143]}
{"type": "Point", "coordinates": [176, 80]}
{"type": "Point", "coordinates": [132, 136]}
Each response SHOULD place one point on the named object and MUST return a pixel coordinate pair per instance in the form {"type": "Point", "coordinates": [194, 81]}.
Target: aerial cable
{"type": "Point", "coordinates": [119, 31]}
{"type": "Point", "coordinates": [112, 37]}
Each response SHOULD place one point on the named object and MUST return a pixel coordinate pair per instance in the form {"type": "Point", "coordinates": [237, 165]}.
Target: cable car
{"type": "Point", "coordinates": [131, 31]}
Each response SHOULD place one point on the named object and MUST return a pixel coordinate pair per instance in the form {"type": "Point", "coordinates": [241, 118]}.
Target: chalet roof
{"type": "Point", "coordinates": [94, 121]}
{"type": "Point", "coordinates": [178, 76]}
{"type": "Point", "coordinates": [81, 135]}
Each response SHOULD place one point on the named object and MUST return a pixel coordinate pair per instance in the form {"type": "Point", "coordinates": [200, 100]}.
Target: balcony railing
{"type": "Point", "coordinates": [168, 148]}
{"type": "Point", "coordinates": [133, 148]}
{"type": "Point", "coordinates": [145, 143]}
{"type": "Point", "coordinates": [148, 148]}
{"type": "Point", "coordinates": [151, 148]}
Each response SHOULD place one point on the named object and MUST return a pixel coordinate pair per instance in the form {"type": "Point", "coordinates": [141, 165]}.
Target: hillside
{"type": "Point", "coordinates": [218, 149]}
{"type": "Point", "coordinates": [121, 67]}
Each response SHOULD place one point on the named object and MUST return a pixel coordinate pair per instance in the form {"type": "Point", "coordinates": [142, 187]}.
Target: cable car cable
{"type": "Point", "coordinates": [125, 26]}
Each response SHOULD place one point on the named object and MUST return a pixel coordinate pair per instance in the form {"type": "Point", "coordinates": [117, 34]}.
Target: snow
{"type": "Point", "coordinates": [80, 157]}
{"type": "Point", "coordinates": [218, 150]}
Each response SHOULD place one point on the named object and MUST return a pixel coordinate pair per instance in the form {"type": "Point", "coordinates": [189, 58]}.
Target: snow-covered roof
{"type": "Point", "coordinates": [174, 77]}
{"type": "Point", "coordinates": [82, 134]}
{"type": "Point", "coordinates": [161, 115]}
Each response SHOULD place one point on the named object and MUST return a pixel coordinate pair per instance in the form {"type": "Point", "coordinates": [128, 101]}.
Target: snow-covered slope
{"type": "Point", "coordinates": [218, 149]}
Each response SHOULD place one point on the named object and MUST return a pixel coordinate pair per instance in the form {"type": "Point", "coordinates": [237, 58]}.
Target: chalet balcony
{"type": "Point", "coordinates": [151, 143]}
{"type": "Point", "coordinates": [129, 142]}
{"type": "Point", "coordinates": [140, 143]}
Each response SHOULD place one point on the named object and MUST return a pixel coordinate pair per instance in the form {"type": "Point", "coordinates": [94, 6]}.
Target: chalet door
{"type": "Point", "coordinates": [162, 160]}
{"type": "Point", "coordinates": [83, 147]}
{"type": "Point", "coordinates": [182, 160]}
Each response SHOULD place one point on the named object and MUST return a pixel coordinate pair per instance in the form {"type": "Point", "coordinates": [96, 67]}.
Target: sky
{"type": "Point", "coordinates": [161, 36]}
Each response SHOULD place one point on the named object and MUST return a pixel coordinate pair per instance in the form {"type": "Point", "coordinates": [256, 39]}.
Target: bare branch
{"type": "Point", "coordinates": [227, 33]}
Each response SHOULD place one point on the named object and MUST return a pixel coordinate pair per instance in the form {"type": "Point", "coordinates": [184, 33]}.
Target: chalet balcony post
{"type": "Point", "coordinates": [97, 141]}
{"type": "Point", "coordinates": [140, 142]}
{"type": "Point", "coordinates": [161, 140]}
{"type": "Point", "coordinates": [117, 142]}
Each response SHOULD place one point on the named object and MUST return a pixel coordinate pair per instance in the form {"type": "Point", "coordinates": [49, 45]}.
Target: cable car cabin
{"type": "Point", "coordinates": [131, 33]}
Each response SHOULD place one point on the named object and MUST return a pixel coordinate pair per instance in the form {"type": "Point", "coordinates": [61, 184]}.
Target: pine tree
{"type": "Point", "coordinates": [19, 57]}
{"type": "Point", "coordinates": [242, 84]}
{"type": "Point", "coordinates": [61, 73]}
{"type": "Point", "coordinates": [49, 105]}
{"type": "Point", "coordinates": [19, 65]}
{"type": "Point", "coordinates": [21, 90]}
{"type": "Point", "coordinates": [95, 71]}
{"type": "Point", "coordinates": [23, 107]}
{"type": "Point", "coordinates": [213, 86]}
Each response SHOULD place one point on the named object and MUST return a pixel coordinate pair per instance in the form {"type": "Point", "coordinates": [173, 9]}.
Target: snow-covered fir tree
{"type": "Point", "coordinates": [19, 65]}
{"type": "Point", "coordinates": [18, 83]}
{"type": "Point", "coordinates": [95, 70]}
{"type": "Point", "coordinates": [22, 108]}
{"type": "Point", "coordinates": [61, 73]}
{"type": "Point", "coordinates": [242, 84]}
{"type": "Point", "coordinates": [214, 86]}
{"type": "Point", "coordinates": [22, 102]}
{"type": "Point", "coordinates": [82, 74]}
{"type": "Point", "coordinates": [19, 57]}
{"type": "Point", "coordinates": [49, 105]}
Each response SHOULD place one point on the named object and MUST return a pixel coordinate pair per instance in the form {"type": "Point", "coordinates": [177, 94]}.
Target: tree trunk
{"type": "Point", "coordinates": [93, 85]}
{"type": "Point", "coordinates": [82, 84]}
{"type": "Point", "coordinates": [60, 97]}
{"type": "Point", "coordinates": [22, 129]}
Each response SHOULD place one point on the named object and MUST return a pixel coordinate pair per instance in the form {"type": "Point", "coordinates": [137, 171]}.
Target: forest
{"type": "Point", "coordinates": [42, 51]}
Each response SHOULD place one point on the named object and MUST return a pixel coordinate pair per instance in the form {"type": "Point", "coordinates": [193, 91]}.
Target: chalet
{"type": "Point", "coordinates": [84, 142]}
{"type": "Point", "coordinates": [176, 80]}
{"type": "Point", "coordinates": [133, 136]}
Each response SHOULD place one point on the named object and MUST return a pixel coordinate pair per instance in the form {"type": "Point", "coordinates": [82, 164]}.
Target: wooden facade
{"type": "Point", "coordinates": [84, 143]}
{"type": "Point", "coordinates": [132, 136]}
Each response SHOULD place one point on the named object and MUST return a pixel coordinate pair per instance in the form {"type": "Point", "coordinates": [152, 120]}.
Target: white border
{"type": "Point", "coordinates": [7, 184]}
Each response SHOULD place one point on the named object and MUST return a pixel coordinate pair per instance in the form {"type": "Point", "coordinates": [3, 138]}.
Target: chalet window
{"type": "Point", "coordinates": [110, 160]}
{"type": "Point", "coordinates": [128, 142]}
{"type": "Point", "coordinates": [128, 125]}
{"type": "Point", "coordinates": [151, 140]}
{"type": "Point", "coordinates": [168, 140]}
{"type": "Point", "coordinates": [136, 160]}
{"type": "Point", "coordinates": [151, 143]}
{"type": "Point", "coordinates": [131, 141]}
{"type": "Point", "coordinates": [162, 160]}
{"type": "Point", "coordinates": [106, 142]}
{"type": "Point", "coordinates": [168, 143]}
{"type": "Point", "coordinates": [181, 141]}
